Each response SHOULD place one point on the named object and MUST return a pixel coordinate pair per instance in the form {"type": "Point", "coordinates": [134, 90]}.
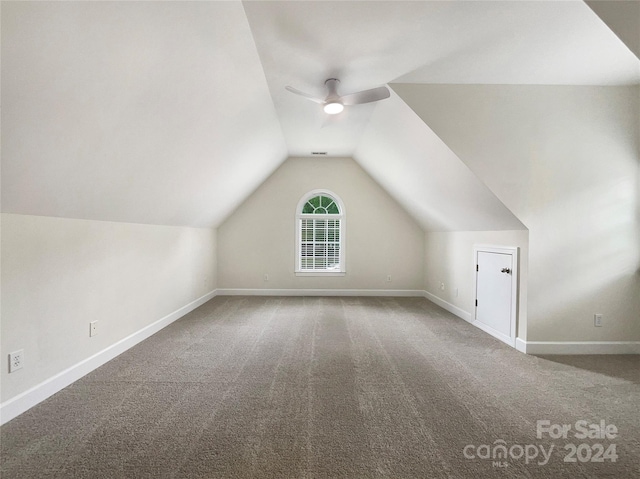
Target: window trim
{"type": "Point", "coordinates": [299, 216]}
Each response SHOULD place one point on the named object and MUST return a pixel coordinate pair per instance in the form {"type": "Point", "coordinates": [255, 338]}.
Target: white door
{"type": "Point", "coordinates": [496, 285]}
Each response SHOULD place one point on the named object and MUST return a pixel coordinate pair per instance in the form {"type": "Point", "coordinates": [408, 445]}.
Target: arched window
{"type": "Point", "coordinates": [320, 234]}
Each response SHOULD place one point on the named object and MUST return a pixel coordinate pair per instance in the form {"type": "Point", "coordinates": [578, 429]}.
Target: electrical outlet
{"type": "Point", "coordinates": [597, 320]}
{"type": "Point", "coordinates": [456, 292]}
{"type": "Point", "coordinates": [441, 286]}
{"type": "Point", "coordinates": [16, 360]}
{"type": "Point", "coordinates": [93, 328]}
{"type": "Point", "coordinates": [388, 278]}
{"type": "Point", "coordinates": [266, 277]}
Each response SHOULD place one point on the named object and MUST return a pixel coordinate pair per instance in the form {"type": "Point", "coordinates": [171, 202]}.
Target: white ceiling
{"type": "Point", "coordinates": [368, 44]}
{"type": "Point", "coordinates": [623, 17]}
{"type": "Point", "coordinates": [174, 112]}
{"type": "Point", "coordinates": [143, 112]}
{"type": "Point", "coordinates": [440, 191]}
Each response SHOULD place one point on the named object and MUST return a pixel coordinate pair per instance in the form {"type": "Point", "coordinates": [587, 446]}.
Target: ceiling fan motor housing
{"type": "Point", "coordinates": [332, 88]}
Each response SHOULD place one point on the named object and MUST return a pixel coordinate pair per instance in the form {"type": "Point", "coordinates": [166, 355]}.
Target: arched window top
{"type": "Point", "coordinates": [321, 205]}
{"type": "Point", "coordinates": [320, 202]}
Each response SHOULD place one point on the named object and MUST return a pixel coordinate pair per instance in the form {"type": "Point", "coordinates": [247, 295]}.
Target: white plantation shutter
{"type": "Point", "coordinates": [320, 234]}
{"type": "Point", "coordinates": [320, 244]}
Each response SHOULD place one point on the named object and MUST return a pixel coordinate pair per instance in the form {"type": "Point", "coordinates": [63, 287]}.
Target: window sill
{"type": "Point", "coordinates": [320, 273]}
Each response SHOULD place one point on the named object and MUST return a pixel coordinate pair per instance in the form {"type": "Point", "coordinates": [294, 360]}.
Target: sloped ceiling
{"type": "Point", "coordinates": [174, 112]}
{"type": "Point", "coordinates": [623, 17]}
{"type": "Point", "coordinates": [441, 191]}
{"type": "Point", "coordinates": [143, 112]}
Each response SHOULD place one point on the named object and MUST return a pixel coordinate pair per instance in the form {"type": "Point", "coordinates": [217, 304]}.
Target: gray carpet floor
{"type": "Point", "coordinates": [328, 388]}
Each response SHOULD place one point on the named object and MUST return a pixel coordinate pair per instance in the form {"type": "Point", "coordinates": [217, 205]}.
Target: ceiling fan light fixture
{"type": "Point", "coordinates": [333, 103]}
{"type": "Point", "coordinates": [333, 108]}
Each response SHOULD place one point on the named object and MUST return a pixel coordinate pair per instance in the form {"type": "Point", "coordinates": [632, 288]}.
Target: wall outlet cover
{"type": "Point", "coordinates": [16, 360]}
{"type": "Point", "coordinates": [93, 328]}
{"type": "Point", "coordinates": [597, 320]}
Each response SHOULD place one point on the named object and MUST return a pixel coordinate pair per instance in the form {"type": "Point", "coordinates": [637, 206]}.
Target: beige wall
{"type": "Point", "coordinates": [449, 260]}
{"type": "Point", "coordinates": [60, 274]}
{"type": "Point", "coordinates": [381, 238]}
{"type": "Point", "coordinates": [565, 160]}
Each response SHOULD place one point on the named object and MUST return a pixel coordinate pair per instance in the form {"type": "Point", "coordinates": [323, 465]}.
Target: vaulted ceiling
{"type": "Point", "coordinates": [174, 112]}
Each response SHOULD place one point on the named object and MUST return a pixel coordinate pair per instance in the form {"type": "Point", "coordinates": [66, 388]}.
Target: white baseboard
{"type": "Point", "coordinates": [578, 347]}
{"type": "Point", "coordinates": [521, 345]}
{"type": "Point", "coordinates": [320, 292]}
{"type": "Point", "coordinates": [496, 334]}
{"type": "Point", "coordinates": [461, 313]}
{"type": "Point", "coordinates": [22, 402]}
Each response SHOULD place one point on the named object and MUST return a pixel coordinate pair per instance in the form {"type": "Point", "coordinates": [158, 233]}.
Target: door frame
{"type": "Point", "coordinates": [514, 252]}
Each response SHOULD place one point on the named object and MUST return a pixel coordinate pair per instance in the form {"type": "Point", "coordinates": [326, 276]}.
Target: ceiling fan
{"type": "Point", "coordinates": [334, 103]}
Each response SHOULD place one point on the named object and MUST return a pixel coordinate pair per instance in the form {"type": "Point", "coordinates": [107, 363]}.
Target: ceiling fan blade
{"type": "Point", "coordinates": [366, 96]}
{"type": "Point", "coordinates": [306, 95]}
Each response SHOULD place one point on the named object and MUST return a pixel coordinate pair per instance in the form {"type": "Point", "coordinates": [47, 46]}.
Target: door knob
{"type": "Point", "coordinates": [505, 270]}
